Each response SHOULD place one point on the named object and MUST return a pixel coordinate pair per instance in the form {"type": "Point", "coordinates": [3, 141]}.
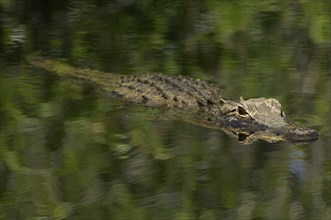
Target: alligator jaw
{"type": "Point", "coordinates": [249, 131]}
{"type": "Point", "coordinates": [294, 135]}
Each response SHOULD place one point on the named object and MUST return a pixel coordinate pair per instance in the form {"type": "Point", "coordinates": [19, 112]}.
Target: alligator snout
{"type": "Point", "coordinates": [298, 135]}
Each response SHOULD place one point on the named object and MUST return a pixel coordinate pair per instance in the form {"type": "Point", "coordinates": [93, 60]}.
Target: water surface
{"type": "Point", "coordinates": [68, 154]}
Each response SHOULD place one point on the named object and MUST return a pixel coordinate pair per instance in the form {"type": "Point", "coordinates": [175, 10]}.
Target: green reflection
{"type": "Point", "coordinates": [65, 154]}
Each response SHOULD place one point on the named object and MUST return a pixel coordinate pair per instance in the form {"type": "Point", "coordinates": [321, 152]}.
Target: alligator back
{"type": "Point", "coordinates": [154, 90]}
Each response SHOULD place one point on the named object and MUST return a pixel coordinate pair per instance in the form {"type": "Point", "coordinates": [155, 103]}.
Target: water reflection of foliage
{"type": "Point", "coordinates": [66, 154]}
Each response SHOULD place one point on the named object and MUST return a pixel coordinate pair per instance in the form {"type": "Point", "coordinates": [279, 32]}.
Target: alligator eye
{"type": "Point", "coordinates": [242, 111]}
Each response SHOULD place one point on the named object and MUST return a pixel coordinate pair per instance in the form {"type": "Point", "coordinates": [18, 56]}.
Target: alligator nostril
{"type": "Point", "coordinates": [209, 102]}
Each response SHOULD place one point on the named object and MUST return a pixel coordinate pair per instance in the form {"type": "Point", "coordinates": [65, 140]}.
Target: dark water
{"type": "Point", "coordinates": [66, 154]}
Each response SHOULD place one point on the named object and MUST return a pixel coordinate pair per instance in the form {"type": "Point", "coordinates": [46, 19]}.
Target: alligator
{"type": "Point", "coordinates": [195, 101]}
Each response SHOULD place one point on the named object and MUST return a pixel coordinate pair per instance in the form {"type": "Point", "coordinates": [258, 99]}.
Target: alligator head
{"type": "Point", "coordinates": [257, 118]}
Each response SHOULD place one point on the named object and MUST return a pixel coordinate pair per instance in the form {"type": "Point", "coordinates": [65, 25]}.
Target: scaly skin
{"type": "Point", "coordinates": [198, 102]}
